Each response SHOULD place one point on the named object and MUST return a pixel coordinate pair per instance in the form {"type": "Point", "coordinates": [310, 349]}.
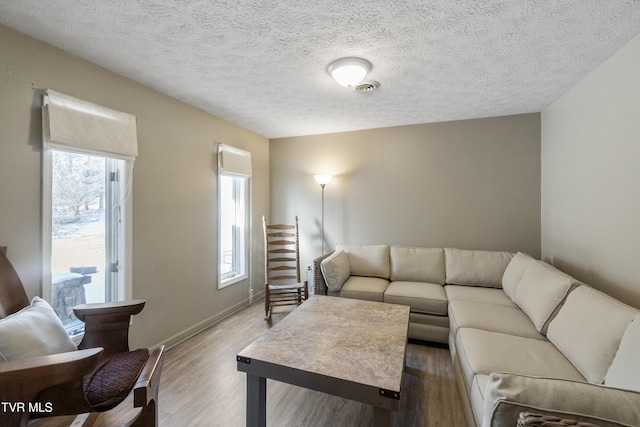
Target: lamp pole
{"type": "Point", "coordinates": [323, 180]}
{"type": "Point", "coordinates": [322, 250]}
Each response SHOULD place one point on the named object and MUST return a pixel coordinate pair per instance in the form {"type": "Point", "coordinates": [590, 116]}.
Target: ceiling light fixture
{"type": "Point", "coordinates": [349, 71]}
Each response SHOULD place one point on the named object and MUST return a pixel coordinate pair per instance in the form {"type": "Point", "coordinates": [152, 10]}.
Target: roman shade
{"type": "Point", "coordinates": [233, 161]}
{"type": "Point", "coordinates": [73, 124]}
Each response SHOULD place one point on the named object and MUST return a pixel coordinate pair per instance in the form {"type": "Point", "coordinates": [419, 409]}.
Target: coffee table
{"type": "Point", "coordinates": [344, 347]}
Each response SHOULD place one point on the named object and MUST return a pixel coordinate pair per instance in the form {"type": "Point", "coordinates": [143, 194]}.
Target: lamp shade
{"type": "Point", "coordinates": [322, 179]}
{"type": "Point", "coordinates": [349, 71]}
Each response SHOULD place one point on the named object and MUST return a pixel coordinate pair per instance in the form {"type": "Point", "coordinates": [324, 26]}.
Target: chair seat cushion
{"type": "Point", "coordinates": [113, 379]}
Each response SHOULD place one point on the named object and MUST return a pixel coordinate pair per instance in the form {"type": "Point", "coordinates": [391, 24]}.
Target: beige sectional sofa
{"type": "Point", "coordinates": [523, 335]}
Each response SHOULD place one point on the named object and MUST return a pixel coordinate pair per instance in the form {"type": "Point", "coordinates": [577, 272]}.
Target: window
{"type": "Point", "coordinates": [233, 229]}
{"type": "Point", "coordinates": [87, 232]}
{"type": "Point", "coordinates": [87, 168]}
{"type": "Point", "coordinates": [234, 179]}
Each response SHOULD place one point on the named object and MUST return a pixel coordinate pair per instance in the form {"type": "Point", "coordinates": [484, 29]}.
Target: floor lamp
{"type": "Point", "coordinates": [323, 180]}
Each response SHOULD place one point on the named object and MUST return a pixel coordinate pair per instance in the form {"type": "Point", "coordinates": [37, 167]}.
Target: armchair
{"type": "Point", "coordinates": [96, 377]}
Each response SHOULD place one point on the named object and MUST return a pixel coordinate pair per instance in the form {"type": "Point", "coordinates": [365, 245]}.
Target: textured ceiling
{"type": "Point", "coordinates": [262, 64]}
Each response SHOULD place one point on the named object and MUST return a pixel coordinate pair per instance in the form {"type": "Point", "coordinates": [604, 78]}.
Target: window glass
{"type": "Point", "coordinates": [86, 232]}
{"type": "Point", "coordinates": [233, 229]}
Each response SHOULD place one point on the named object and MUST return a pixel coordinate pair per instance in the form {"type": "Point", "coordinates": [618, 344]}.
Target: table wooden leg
{"type": "Point", "coordinates": [256, 401]}
{"type": "Point", "coordinates": [382, 417]}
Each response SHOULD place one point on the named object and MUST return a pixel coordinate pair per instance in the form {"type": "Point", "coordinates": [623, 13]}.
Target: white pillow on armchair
{"type": "Point", "coordinates": [33, 331]}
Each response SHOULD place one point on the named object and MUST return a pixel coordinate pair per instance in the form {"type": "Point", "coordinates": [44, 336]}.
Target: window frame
{"type": "Point", "coordinates": [120, 244]}
{"type": "Point", "coordinates": [241, 242]}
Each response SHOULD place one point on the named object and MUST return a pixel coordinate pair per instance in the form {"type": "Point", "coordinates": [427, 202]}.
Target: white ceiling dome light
{"type": "Point", "coordinates": [348, 72]}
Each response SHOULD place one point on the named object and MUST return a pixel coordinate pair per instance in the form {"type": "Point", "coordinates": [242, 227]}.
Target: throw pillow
{"type": "Point", "coordinates": [335, 269]}
{"type": "Point", "coordinates": [33, 331]}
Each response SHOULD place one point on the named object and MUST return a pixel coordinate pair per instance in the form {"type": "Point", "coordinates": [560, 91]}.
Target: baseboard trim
{"type": "Point", "coordinates": [207, 323]}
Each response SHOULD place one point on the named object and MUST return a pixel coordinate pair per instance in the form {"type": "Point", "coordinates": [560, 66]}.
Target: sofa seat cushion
{"type": "Point", "coordinates": [366, 288]}
{"type": "Point", "coordinates": [493, 318]}
{"type": "Point", "coordinates": [588, 330]}
{"type": "Point", "coordinates": [484, 352]}
{"type": "Point", "coordinates": [478, 294]}
{"type": "Point", "coordinates": [476, 268]}
{"type": "Point", "coordinates": [422, 297]}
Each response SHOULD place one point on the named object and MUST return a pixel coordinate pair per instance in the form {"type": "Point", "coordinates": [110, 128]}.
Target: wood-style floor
{"type": "Point", "coordinates": [200, 385]}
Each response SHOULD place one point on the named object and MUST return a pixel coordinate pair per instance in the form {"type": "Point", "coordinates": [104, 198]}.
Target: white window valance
{"type": "Point", "coordinates": [73, 124]}
{"type": "Point", "coordinates": [233, 161]}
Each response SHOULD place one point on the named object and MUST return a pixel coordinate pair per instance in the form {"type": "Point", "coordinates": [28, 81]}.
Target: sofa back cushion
{"type": "Point", "coordinates": [417, 264]}
{"type": "Point", "coordinates": [367, 260]}
{"type": "Point", "coordinates": [513, 273]}
{"type": "Point", "coordinates": [624, 372]}
{"type": "Point", "coordinates": [475, 268]}
{"type": "Point", "coordinates": [335, 269]}
{"type": "Point", "coordinates": [541, 290]}
{"type": "Point", "coordinates": [588, 330]}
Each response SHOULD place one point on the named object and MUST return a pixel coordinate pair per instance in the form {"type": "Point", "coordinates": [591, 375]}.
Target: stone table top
{"type": "Point", "coordinates": [353, 340]}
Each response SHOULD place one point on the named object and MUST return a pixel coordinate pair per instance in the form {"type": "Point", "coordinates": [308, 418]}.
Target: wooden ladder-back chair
{"type": "Point", "coordinates": [282, 267]}
{"type": "Point", "coordinates": [102, 378]}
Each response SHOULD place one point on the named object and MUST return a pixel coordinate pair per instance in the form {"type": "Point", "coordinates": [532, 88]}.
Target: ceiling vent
{"type": "Point", "coordinates": [367, 86]}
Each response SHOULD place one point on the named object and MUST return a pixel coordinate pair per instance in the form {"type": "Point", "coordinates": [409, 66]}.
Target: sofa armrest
{"type": "Point", "coordinates": [506, 395]}
{"type": "Point", "coordinates": [319, 284]}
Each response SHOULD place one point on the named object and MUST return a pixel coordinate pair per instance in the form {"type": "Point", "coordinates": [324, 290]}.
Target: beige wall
{"type": "Point", "coordinates": [591, 177]}
{"type": "Point", "coordinates": [468, 184]}
{"type": "Point", "coordinates": [174, 186]}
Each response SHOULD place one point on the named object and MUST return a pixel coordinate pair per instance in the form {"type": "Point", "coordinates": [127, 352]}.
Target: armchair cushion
{"type": "Point", "coordinates": [33, 331]}
{"type": "Point", "coordinates": [113, 379]}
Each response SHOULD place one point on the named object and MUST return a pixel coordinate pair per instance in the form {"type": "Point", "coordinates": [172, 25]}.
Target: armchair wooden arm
{"type": "Point", "coordinates": [43, 372]}
{"type": "Point", "coordinates": [107, 324]}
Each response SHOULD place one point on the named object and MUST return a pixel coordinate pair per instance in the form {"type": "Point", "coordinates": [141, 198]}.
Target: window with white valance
{"type": "Point", "coordinates": [234, 173]}
{"type": "Point", "coordinates": [73, 124]}
{"type": "Point", "coordinates": [88, 156]}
